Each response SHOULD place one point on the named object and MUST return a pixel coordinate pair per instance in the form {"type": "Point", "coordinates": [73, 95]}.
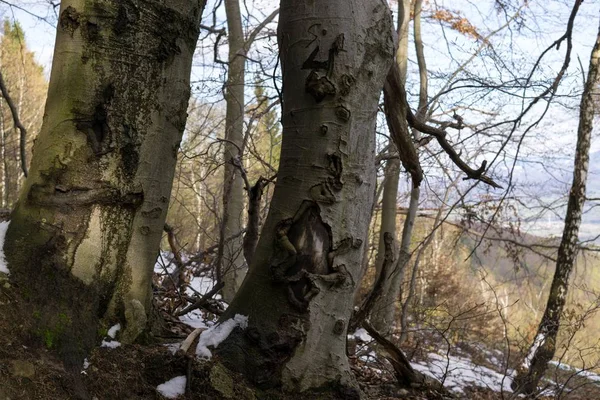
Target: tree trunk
{"type": "Point", "coordinates": [233, 267]}
{"type": "Point", "coordinates": [415, 192]}
{"type": "Point", "coordinates": [544, 345]}
{"type": "Point", "coordinates": [85, 233]}
{"type": "Point", "coordinates": [4, 198]}
{"type": "Point", "coordinates": [385, 307]}
{"type": "Point", "coordinates": [299, 292]}
{"type": "Point", "coordinates": [382, 316]}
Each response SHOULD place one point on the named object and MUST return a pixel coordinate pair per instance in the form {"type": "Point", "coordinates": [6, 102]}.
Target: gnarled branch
{"type": "Point", "coordinates": [396, 111]}
{"type": "Point", "coordinates": [397, 93]}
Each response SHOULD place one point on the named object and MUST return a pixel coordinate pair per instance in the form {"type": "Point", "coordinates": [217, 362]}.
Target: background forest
{"type": "Point", "coordinates": [467, 276]}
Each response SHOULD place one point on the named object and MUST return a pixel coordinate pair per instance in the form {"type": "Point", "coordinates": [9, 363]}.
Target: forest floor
{"type": "Point", "coordinates": [31, 371]}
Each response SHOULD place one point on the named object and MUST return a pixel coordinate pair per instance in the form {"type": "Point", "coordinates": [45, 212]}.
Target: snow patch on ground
{"type": "Point", "coordinates": [560, 365]}
{"type": "Point", "coordinates": [86, 365]}
{"type": "Point", "coordinates": [459, 372]}
{"type": "Point", "coordinates": [173, 347]}
{"type": "Point", "coordinates": [368, 357]}
{"type": "Point", "coordinates": [173, 388]}
{"type": "Point", "coordinates": [3, 265]}
{"type": "Point", "coordinates": [200, 284]}
{"type": "Point", "coordinates": [216, 334]}
{"type": "Point", "coordinates": [589, 375]}
{"type": "Point", "coordinates": [576, 371]}
{"type": "Point", "coordinates": [111, 344]}
{"type": "Point", "coordinates": [195, 319]}
{"type": "Point", "coordinates": [112, 332]}
{"type": "Point", "coordinates": [362, 335]}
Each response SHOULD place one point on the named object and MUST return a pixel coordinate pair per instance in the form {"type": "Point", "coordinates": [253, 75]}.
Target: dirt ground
{"type": "Point", "coordinates": [30, 371]}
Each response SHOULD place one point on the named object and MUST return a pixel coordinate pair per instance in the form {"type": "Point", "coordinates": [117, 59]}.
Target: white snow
{"type": "Point", "coordinates": [589, 375]}
{"type": "Point", "coordinates": [462, 372]}
{"type": "Point", "coordinates": [173, 347]}
{"type": "Point", "coordinates": [86, 364]}
{"type": "Point", "coordinates": [3, 228]}
{"type": "Point", "coordinates": [216, 334]}
{"type": "Point", "coordinates": [112, 332]}
{"type": "Point", "coordinates": [560, 365]}
{"type": "Point", "coordinates": [195, 319]}
{"type": "Point", "coordinates": [371, 356]}
{"type": "Point", "coordinates": [202, 285]}
{"type": "Point", "coordinates": [198, 286]}
{"type": "Point", "coordinates": [111, 344]}
{"type": "Point", "coordinates": [576, 371]}
{"type": "Point", "coordinates": [362, 335]}
{"type": "Point", "coordinates": [173, 388]}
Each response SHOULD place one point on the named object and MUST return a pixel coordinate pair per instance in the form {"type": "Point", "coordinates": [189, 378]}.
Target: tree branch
{"type": "Point", "coordinates": [396, 110]}
{"type": "Point", "coordinates": [18, 124]}
{"type": "Point", "coordinates": [178, 275]}
{"type": "Point", "coordinates": [256, 31]}
{"type": "Point", "coordinates": [395, 86]}
{"type": "Point", "coordinates": [202, 301]}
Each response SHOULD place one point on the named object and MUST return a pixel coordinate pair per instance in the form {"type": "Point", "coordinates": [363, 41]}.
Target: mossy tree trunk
{"type": "Point", "coordinates": [85, 232]}
{"type": "Point", "coordinates": [299, 291]}
{"type": "Point", "coordinates": [544, 345]}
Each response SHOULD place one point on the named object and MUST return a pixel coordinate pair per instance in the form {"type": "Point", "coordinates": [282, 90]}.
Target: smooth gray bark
{"type": "Point", "coordinates": [298, 294]}
{"type": "Point", "coordinates": [232, 268]}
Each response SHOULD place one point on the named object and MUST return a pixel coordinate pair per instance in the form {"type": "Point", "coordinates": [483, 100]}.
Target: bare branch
{"type": "Point", "coordinates": [396, 109]}
{"type": "Point", "coordinates": [202, 301]}
{"type": "Point", "coordinates": [258, 29]}
{"type": "Point", "coordinates": [18, 124]}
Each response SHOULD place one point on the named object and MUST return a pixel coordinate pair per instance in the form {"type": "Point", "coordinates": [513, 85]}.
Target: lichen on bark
{"type": "Point", "coordinates": [118, 95]}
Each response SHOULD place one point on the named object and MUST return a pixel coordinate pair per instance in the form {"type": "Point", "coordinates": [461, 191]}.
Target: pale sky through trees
{"type": "Point", "coordinates": [545, 158]}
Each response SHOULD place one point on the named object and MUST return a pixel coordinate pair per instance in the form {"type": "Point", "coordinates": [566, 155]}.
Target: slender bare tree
{"type": "Point", "coordinates": [232, 268]}
{"type": "Point", "coordinates": [544, 345]}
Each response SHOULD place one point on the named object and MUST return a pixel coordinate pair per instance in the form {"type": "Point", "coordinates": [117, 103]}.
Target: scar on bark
{"type": "Point", "coordinates": [324, 191]}
{"type": "Point", "coordinates": [304, 246]}
{"type": "Point", "coordinates": [346, 83]}
{"type": "Point", "coordinates": [77, 196]}
{"type": "Point", "coordinates": [126, 16]}
{"type": "Point", "coordinates": [69, 20]}
{"type": "Point", "coordinates": [321, 86]}
{"type": "Point", "coordinates": [95, 126]}
{"type": "Point", "coordinates": [306, 261]}
{"type": "Point", "coordinates": [334, 165]}
{"type": "Point", "coordinates": [342, 113]}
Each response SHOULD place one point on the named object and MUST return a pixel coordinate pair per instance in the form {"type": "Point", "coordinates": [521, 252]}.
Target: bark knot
{"type": "Point", "coordinates": [319, 87]}
{"type": "Point", "coordinates": [69, 20]}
